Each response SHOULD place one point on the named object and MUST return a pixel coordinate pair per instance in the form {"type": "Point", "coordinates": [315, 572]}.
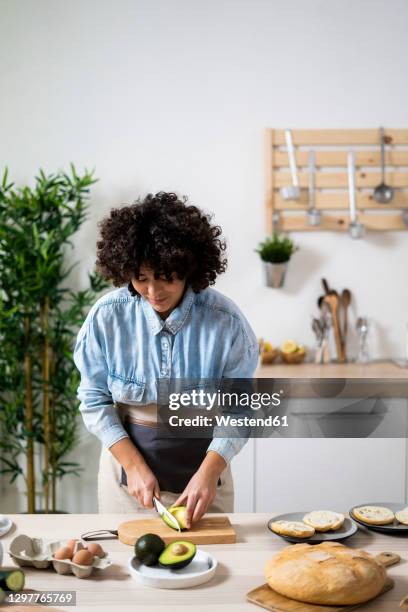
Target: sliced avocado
{"type": "Point", "coordinates": [179, 513]}
{"type": "Point", "coordinates": [177, 554]}
{"type": "Point", "coordinates": [11, 579]}
{"type": "Point", "coordinates": [148, 548]}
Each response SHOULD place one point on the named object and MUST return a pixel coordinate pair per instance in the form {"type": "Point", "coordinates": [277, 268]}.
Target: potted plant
{"type": "Point", "coordinates": [275, 252]}
{"type": "Point", "coordinates": [39, 319]}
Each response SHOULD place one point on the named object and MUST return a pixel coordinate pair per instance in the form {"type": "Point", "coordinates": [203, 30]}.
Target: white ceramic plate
{"type": "Point", "coordinates": [200, 570]}
{"type": "Point", "coordinates": [5, 524]}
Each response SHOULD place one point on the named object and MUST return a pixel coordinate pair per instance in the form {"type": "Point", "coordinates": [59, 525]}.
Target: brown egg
{"type": "Point", "coordinates": [63, 553]}
{"type": "Point", "coordinates": [71, 544]}
{"type": "Point", "coordinates": [96, 550]}
{"type": "Point", "coordinates": [83, 557]}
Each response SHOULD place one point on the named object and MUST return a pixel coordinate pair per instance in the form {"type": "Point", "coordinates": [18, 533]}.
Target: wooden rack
{"type": "Point", "coordinates": [331, 198]}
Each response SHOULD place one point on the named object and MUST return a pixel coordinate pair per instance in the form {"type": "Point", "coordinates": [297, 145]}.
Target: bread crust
{"type": "Point", "coordinates": [328, 573]}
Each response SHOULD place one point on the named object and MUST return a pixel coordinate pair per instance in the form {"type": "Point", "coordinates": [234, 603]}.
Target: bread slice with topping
{"type": "Point", "coordinates": [324, 520]}
{"type": "Point", "coordinates": [374, 515]}
{"type": "Point", "coordinates": [296, 529]}
{"type": "Point", "coordinates": [402, 516]}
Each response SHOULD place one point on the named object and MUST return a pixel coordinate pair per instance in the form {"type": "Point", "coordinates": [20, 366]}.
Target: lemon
{"type": "Point", "coordinates": [289, 346]}
{"type": "Point", "coordinates": [267, 346]}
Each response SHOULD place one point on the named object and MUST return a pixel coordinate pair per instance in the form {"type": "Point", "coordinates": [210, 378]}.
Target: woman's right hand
{"type": "Point", "coordinates": [141, 481]}
{"type": "Point", "coordinates": [142, 484]}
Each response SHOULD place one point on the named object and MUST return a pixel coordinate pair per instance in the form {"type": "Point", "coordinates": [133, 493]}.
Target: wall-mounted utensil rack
{"type": "Point", "coordinates": [331, 182]}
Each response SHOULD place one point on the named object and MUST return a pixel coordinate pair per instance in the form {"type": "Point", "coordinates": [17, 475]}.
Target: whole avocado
{"type": "Point", "coordinates": [148, 548]}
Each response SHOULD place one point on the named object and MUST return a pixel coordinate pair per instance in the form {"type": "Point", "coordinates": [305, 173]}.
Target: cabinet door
{"type": "Point", "coordinates": [242, 467]}
{"type": "Point", "coordinates": [328, 473]}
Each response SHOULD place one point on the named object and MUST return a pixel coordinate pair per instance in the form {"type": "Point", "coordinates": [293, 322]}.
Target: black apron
{"type": "Point", "coordinates": [173, 461]}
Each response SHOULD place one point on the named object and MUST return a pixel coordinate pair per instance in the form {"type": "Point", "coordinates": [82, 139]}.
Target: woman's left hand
{"type": "Point", "coordinates": [202, 488]}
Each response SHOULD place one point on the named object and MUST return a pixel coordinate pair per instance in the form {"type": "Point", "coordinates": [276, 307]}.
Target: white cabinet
{"type": "Point", "coordinates": [242, 467]}
{"type": "Point", "coordinates": [324, 473]}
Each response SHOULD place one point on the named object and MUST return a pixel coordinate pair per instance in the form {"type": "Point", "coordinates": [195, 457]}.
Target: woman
{"type": "Point", "coordinates": [163, 322]}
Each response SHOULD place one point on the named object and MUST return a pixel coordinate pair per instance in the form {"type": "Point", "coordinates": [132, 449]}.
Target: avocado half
{"type": "Point", "coordinates": [179, 513]}
{"type": "Point", "coordinates": [177, 554]}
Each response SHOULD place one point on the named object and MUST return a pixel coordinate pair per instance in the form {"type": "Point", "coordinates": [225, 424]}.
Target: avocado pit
{"type": "Point", "coordinates": [179, 549]}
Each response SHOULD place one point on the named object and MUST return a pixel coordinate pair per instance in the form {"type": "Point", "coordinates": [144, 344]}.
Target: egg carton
{"type": "Point", "coordinates": [38, 552]}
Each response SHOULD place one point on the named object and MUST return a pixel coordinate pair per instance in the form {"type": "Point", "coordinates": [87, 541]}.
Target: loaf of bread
{"type": "Point", "coordinates": [328, 573]}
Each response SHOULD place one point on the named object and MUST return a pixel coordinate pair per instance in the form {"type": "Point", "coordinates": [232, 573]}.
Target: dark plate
{"type": "Point", "coordinates": [348, 529]}
{"type": "Point", "coordinates": [392, 528]}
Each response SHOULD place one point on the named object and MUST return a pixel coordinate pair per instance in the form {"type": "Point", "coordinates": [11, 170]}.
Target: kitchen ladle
{"type": "Point", "coordinates": [383, 193]}
{"type": "Point", "coordinates": [356, 229]}
{"type": "Point", "coordinates": [313, 214]}
{"type": "Point", "coordinates": [291, 192]}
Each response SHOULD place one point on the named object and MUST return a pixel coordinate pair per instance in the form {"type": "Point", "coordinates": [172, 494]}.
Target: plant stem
{"type": "Point", "coordinates": [46, 400]}
{"type": "Point", "coordinates": [28, 401]}
{"type": "Point", "coordinates": [54, 490]}
{"type": "Point", "coordinates": [52, 438]}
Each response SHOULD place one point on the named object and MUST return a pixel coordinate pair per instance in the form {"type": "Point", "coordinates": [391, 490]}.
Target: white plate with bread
{"type": "Point", "coordinates": [386, 517]}
{"type": "Point", "coordinates": [313, 526]}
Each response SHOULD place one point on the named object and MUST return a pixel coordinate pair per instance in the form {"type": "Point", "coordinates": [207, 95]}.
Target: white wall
{"type": "Point", "coordinates": [174, 95]}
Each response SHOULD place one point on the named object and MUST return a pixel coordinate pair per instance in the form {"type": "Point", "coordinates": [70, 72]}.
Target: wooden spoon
{"type": "Point", "coordinates": [345, 302]}
{"type": "Point", "coordinates": [327, 289]}
{"type": "Point", "coordinates": [333, 301]}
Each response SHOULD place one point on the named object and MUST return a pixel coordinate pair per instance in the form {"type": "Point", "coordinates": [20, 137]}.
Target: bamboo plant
{"type": "Point", "coordinates": [39, 319]}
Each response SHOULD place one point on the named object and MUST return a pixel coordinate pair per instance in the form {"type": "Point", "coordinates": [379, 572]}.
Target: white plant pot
{"type": "Point", "coordinates": [275, 274]}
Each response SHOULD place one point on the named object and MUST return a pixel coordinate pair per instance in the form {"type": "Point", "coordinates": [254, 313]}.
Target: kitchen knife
{"type": "Point", "coordinates": [107, 534]}
{"type": "Point", "coordinates": [162, 510]}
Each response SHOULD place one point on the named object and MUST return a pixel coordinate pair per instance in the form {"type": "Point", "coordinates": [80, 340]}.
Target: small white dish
{"type": "Point", "coordinates": [200, 570]}
{"type": "Point", "coordinates": [5, 524]}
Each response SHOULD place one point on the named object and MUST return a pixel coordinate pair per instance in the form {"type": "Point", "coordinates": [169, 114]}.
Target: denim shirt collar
{"type": "Point", "coordinates": [176, 318]}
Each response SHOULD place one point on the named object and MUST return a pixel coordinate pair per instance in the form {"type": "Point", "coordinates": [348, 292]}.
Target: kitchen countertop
{"type": "Point", "coordinates": [375, 369]}
{"type": "Point", "coordinates": [240, 567]}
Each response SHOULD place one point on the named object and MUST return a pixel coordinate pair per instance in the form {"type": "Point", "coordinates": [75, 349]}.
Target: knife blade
{"type": "Point", "coordinates": [162, 510]}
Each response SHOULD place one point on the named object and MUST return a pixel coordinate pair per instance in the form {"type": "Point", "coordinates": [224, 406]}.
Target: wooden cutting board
{"type": "Point", "coordinates": [209, 530]}
{"type": "Point", "coordinates": [269, 599]}
{"type": "Point", "coordinates": [265, 597]}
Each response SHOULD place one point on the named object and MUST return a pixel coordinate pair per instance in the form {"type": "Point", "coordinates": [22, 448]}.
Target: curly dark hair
{"type": "Point", "coordinates": [165, 234]}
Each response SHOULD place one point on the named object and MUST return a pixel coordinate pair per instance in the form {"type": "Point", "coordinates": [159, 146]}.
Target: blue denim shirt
{"type": "Point", "coordinates": [124, 346]}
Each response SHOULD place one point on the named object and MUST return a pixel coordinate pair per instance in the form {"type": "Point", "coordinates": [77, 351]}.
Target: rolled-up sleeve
{"type": "Point", "coordinates": [242, 363]}
{"type": "Point", "coordinates": [97, 408]}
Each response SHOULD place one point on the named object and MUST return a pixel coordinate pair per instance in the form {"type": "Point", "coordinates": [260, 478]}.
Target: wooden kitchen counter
{"type": "Point", "coordinates": [240, 568]}
{"type": "Point", "coordinates": [375, 369]}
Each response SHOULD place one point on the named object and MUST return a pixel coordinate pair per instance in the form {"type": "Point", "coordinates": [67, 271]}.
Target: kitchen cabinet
{"type": "Point", "coordinates": [329, 473]}
{"type": "Point", "coordinates": [244, 482]}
